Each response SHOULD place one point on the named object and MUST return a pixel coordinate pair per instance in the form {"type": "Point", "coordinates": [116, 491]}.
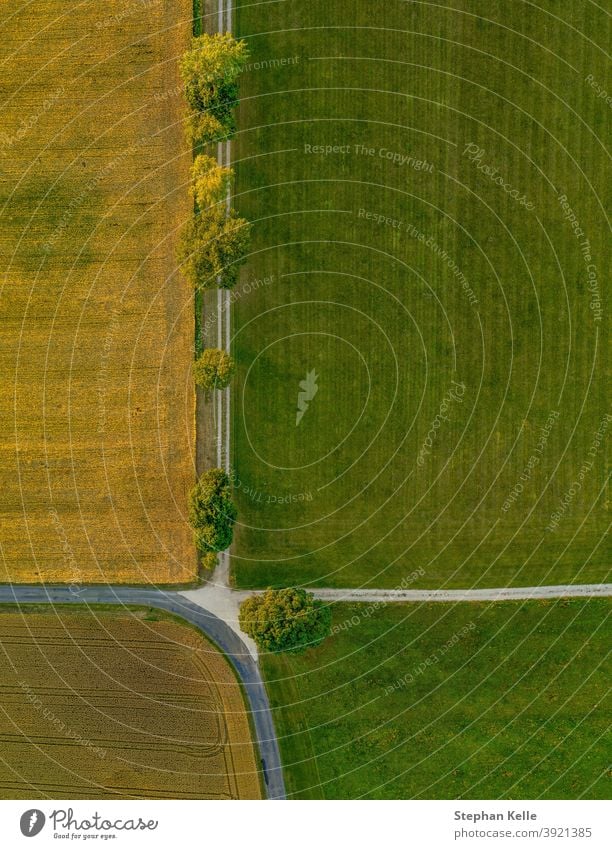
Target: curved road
{"type": "Point", "coordinates": [222, 634]}
{"type": "Point", "coordinates": [213, 627]}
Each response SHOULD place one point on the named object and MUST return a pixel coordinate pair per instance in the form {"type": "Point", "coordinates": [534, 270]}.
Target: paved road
{"type": "Point", "coordinates": [495, 594]}
{"type": "Point", "coordinates": [222, 634]}
{"type": "Point", "coordinates": [211, 625]}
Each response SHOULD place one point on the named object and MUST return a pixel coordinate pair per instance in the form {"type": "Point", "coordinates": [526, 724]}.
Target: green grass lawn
{"type": "Point", "coordinates": [401, 270]}
{"type": "Point", "coordinates": [501, 701]}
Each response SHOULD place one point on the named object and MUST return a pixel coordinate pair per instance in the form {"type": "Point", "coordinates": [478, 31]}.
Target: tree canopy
{"type": "Point", "coordinates": [213, 247]}
{"type": "Point", "coordinates": [288, 620]}
{"type": "Point", "coordinates": [213, 369]}
{"type": "Point", "coordinates": [212, 512]}
{"type": "Point", "coordinates": [210, 70]}
{"type": "Point", "coordinates": [209, 181]}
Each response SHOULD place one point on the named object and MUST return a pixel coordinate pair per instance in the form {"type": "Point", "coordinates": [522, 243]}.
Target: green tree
{"type": "Point", "coordinates": [210, 71]}
{"type": "Point", "coordinates": [289, 620]}
{"type": "Point", "coordinates": [212, 513]}
{"type": "Point", "coordinates": [213, 247]}
{"type": "Point", "coordinates": [203, 128]}
{"type": "Point", "coordinates": [213, 369]}
{"type": "Point", "coordinates": [209, 181]}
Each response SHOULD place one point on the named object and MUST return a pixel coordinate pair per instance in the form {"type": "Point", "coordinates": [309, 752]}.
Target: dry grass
{"type": "Point", "coordinates": [119, 705]}
{"type": "Point", "coordinates": [96, 400]}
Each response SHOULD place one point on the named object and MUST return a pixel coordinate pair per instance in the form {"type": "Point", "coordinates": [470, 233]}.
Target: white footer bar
{"type": "Point", "coordinates": [302, 825]}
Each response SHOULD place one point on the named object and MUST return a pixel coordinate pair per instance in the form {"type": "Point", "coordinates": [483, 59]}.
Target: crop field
{"type": "Point", "coordinates": [420, 328]}
{"type": "Point", "coordinates": [128, 704]}
{"type": "Point", "coordinates": [465, 701]}
{"type": "Point", "coordinates": [96, 398]}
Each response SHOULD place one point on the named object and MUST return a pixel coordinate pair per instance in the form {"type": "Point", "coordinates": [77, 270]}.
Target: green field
{"type": "Point", "coordinates": [505, 701]}
{"type": "Point", "coordinates": [402, 270]}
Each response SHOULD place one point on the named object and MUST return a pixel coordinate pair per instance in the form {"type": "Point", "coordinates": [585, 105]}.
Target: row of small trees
{"type": "Point", "coordinates": [213, 246]}
{"type": "Point", "coordinates": [216, 240]}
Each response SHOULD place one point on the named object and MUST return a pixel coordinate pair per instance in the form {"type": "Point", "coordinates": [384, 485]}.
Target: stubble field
{"type": "Point", "coordinates": [131, 704]}
{"type": "Point", "coordinates": [96, 399]}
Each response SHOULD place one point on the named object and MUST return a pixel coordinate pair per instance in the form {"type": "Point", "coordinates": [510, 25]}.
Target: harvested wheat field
{"type": "Point", "coordinates": [127, 704]}
{"type": "Point", "coordinates": [96, 399]}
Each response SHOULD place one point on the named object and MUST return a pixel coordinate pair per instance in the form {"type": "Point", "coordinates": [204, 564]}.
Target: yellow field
{"type": "Point", "coordinates": [96, 397]}
{"type": "Point", "coordinates": [117, 705]}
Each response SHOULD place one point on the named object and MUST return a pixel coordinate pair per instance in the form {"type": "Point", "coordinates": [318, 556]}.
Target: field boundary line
{"type": "Point", "coordinates": [223, 409]}
{"type": "Point", "coordinates": [489, 594]}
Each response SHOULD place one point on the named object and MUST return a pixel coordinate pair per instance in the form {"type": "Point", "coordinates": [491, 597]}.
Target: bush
{"type": "Point", "coordinates": [213, 247]}
{"type": "Point", "coordinates": [212, 512]}
{"type": "Point", "coordinates": [289, 620]}
{"type": "Point", "coordinates": [210, 71]}
{"type": "Point", "coordinates": [209, 181]}
{"type": "Point", "coordinates": [209, 562]}
{"type": "Point", "coordinates": [213, 369]}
